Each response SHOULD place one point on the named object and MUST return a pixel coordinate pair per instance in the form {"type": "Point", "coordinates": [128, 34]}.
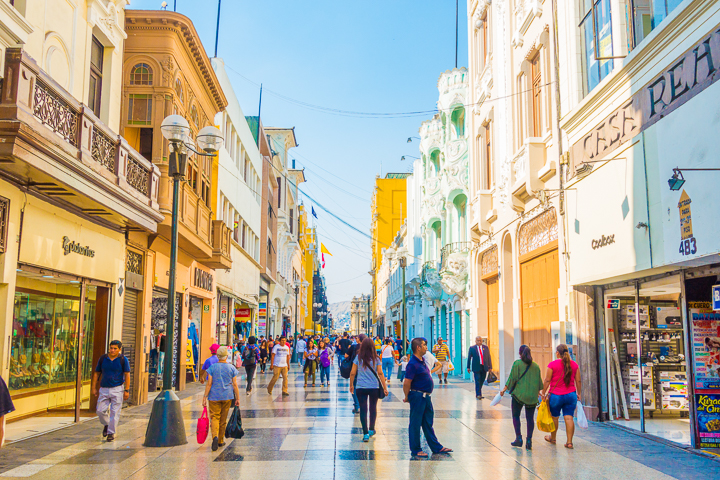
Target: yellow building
{"type": "Point", "coordinates": [307, 247]}
{"type": "Point", "coordinates": [389, 210]}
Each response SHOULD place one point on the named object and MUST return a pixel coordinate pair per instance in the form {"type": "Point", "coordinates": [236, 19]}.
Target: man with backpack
{"type": "Point", "coordinates": [346, 367]}
{"type": "Point", "coordinates": [111, 373]}
{"type": "Point", "coordinates": [249, 358]}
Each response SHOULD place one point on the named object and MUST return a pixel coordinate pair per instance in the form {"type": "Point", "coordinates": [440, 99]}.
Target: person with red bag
{"type": "Point", "coordinates": [220, 391]}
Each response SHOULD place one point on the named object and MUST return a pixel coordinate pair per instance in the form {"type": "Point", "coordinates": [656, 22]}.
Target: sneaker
{"type": "Point", "coordinates": [247, 393]}
{"type": "Point", "coordinates": [105, 431]}
{"type": "Point", "coordinates": [110, 437]}
{"type": "Point", "coordinates": [528, 444]}
{"type": "Point", "coordinates": [366, 437]}
{"type": "Point", "coordinates": [285, 394]}
{"type": "Point", "coordinates": [215, 444]}
{"type": "Point", "coordinates": [371, 432]}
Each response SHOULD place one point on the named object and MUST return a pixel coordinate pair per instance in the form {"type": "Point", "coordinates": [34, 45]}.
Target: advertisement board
{"type": "Point", "coordinates": [708, 416]}
{"type": "Point", "coordinates": [706, 349]}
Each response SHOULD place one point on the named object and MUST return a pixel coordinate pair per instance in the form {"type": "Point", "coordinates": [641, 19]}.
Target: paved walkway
{"type": "Point", "coordinates": [312, 434]}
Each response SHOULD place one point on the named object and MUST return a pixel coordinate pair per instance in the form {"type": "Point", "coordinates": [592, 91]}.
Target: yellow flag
{"type": "Point", "coordinates": [323, 249]}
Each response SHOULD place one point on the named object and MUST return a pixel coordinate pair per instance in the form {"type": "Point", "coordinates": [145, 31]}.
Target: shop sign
{"type": "Point", "coordinates": [262, 315]}
{"type": "Point", "coordinates": [684, 78]}
{"type": "Point", "coordinates": [203, 280]}
{"type": "Point", "coordinates": [243, 314]}
{"type": "Point", "coordinates": [688, 244]}
{"type": "Point", "coordinates": [716, 297]}
{"type": "Point", "coordinates": [613, 303]}
{"type": "Point", "coordinates": [706, 349]}
{"type": "Point", "coordinates": [603, 242]}
{"type": "Point", "coordinates": [708, 420]}
{"type": "Point", "coordinates": [206, 308]}
{"type": "Point", "coordinates": [74, 247]}
{"type": "Point", "coordinates": [223, 312]}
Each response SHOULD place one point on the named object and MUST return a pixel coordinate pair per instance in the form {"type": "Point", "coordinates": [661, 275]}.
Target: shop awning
{"type": "Point", "coordinates": [242, 298]}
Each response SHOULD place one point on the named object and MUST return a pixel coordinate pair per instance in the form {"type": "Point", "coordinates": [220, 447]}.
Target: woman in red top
{"type": "Point", "coordinates": [563, 381]}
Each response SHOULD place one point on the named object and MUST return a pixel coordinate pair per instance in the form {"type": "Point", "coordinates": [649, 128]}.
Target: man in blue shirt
{"type": "Point", "coordinates": [417, 386]}
{"type": "Point", "coordinates": [111, 373]}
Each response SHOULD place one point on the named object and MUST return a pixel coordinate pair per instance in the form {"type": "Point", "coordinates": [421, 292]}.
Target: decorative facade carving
{"type": "Point", "coordinates": [454, 274]}
{"type": "Point", "coordinates": [538, 232]}
{"type": "Point", "coordinates": [103, 150]}
{"type": "Point", "coordinates": [489, 261]}
{"type": "Point", "coordinates": [134, 262]}
{"type": "Point", "coordinates": [137, 176]}
{"type": "Point", "coordinates": [430, 286]}
{"type": "Point", "coordinates": [55, 113]}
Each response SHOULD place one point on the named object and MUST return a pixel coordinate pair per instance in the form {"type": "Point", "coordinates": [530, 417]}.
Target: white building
{"type": "Point", "coordinates": [239, 199]}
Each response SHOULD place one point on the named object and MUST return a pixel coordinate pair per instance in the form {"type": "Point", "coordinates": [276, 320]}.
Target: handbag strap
{"type": "Point", "coordinates": [373, 370]}
{"type": "Point", "coordinates": [521, 376]}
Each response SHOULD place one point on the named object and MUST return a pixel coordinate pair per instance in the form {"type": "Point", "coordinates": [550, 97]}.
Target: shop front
{"type": "Point", "coordinates": [64, 297]}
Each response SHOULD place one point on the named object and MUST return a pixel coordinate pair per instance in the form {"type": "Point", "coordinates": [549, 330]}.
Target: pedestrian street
{"type": "Point", "coordinates": [312, 433]}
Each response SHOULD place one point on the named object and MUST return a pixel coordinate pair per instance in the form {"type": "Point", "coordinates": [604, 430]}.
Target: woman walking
{"type": "Point", "coordinates": [263, 355]}
{"type": "Point", "coordinates": [220, 390]}
{"type": "Point", "coordinates": [250, 358]}
{"type": "Point", "coordinates": [562, 388]}
{"type": "Point", "coordinates": [310, 354]}
{"type": "Point", "coordinates": [370, 379]}
{"type": "Point", "coordinates": [524, 384]}
{"type": "Point", "coordinates": [324, 361]}
{"type": "Point", "coordinates": [388, 359]}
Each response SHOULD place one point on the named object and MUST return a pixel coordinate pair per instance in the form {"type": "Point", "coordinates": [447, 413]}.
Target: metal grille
{"type": "Point", "coordinates": [539, 231]}
{"type": "Point", "coordinates": [4, 216]}
{"type": "Point", "coordinates": [489, 261]}
{"type": "Point", "coordinates": [55, 113]}
{"type": "Point", "coordinates": [134, 262]}
{"type": "Point", "coordinates": [103, 149]}
{"type": "Point", "coordinates": [137, 176]}
{"type": "Point", "coordinates": [129, 331]}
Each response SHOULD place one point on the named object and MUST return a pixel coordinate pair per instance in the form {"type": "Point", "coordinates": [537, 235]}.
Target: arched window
{"type": "Point", "coordinates": [436, 240]}
{"type": "Point", "coordinates": [141, 74]}
{"type": "Point", "coordinates": [460, 203]}
{"type": "Point", "coordinates": [434, 166]}
{"type": "Point", "coordinates": [194, 116]}
{"type": "Point", "coordinates": [179, 89]}
{"type": "Point", "coordinates": [458, 122]}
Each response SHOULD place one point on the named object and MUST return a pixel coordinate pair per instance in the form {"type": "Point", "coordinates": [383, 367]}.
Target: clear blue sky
{"type": "Point", "coordinates": [365, 56]}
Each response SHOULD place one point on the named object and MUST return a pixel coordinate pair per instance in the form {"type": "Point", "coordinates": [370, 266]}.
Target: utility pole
{"type": "Point", "coordinates": [217, 31]}
{"type": "Point", "coordinates": [456, 32]}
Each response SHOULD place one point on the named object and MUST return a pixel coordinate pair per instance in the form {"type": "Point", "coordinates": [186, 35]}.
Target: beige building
{"type": "Point", "coordinates": [359, 314]}
{"type": "Point", "coordinates": [75, 201]}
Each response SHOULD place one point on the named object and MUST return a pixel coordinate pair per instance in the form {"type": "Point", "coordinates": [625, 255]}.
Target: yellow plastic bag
{"type": "Point", "coordinates": [544, 419]}
{"type": "Point", "coordinates": [451, 367]}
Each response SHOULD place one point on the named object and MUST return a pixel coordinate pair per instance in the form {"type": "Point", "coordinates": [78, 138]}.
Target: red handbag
{"type": "Point", "coordinates": [203, 426]}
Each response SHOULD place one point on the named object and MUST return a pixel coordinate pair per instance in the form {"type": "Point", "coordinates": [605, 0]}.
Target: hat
{"type": "Point", "coordinates": [214, 348]}
{"type": "Point", "coordinates": [222, 352]}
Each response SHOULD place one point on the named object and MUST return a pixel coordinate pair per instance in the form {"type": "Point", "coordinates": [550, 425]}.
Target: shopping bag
{"type": "Point", "coordinates": [496, 400]}
{"type": "Point", "coordinates": [544, 419]}
{"type": "Point", "coordinates": [582, 421]}
{"type": "Point", "coordinates": [203, 425]}
{"type": "Point", "coordinates": [451, 367]}
{"type": "Point", "coordinates": [491, 378]}
{"type": "Point", "coordinates": [234, 425]}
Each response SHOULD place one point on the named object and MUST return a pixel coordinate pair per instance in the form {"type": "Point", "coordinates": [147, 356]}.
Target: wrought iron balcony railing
{"type": "Point", "coordinates": [449, 249]}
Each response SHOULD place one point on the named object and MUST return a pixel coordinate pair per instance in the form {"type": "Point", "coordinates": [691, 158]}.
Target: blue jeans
{"type": "Point", "coordinates": [564, 404]}
{"type": "Point", "coordinates": [387, 367]}
{"type": "Point", "coordinates": [421, 416]}
{"type": "Point", "coordinates": [325, 373]}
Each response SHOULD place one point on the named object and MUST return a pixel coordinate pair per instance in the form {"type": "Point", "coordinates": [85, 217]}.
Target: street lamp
{"type": "Point", "coordinates": [410, 139]}
{"type": "Point", "coordinates": [166, 427]}
{"type": "Point", "coordinates": [401, 253]}
{"type": "Point", "coordinates": [404, 157]}
{"type": "Point", "coordinates": [304, 284]}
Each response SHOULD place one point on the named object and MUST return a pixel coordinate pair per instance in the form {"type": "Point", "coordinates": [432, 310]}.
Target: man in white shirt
{"type": "Point", "coordinates": [279, 362]}
{"type": "Point", "coordinates": [431, 362]}
{"type": "Point", "coordinates": [301, 346]}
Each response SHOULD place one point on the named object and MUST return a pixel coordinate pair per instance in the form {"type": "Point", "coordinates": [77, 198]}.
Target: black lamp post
{"type": "Point", "coordinates": [166, 427]}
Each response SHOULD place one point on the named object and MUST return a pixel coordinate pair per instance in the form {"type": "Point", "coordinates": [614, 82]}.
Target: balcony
{"type": "Point", "coordinates": [58, 148]}
{"type": "Point", "coordinates": [194, 220]}
{"type": "Point", "coordinates": [430, 286]}
{"type": "Point", "coordinates": [450, 249]}
{"type": "Point", "coordinates": [528, 173]}
{"type": "Point", "coordinates": [454, 267]}
{"type": "Point", "coordinates": [221, 234]}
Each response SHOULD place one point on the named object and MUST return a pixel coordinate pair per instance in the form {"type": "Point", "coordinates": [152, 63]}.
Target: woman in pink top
{"type": "Point", "coordinates": [563, 381]}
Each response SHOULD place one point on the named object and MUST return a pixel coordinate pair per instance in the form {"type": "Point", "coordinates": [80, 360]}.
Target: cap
{"type": "Point", "coordinates": [222, 352]}
{"type": "Point", "coordinates": [214, 348]}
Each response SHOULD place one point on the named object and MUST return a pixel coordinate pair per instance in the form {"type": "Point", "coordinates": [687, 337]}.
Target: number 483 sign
{"type": "Point", "coordinates": [688, 244]}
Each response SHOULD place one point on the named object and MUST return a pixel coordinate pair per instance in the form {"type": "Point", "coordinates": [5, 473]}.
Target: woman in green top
{"type": "Point", "coordinates": [525, 384]}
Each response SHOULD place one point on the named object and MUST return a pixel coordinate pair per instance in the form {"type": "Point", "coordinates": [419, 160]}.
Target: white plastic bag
{"type": "Point", "coordinates": [581, 418]}
{"type": "Point", "coordinates": [496, 400]}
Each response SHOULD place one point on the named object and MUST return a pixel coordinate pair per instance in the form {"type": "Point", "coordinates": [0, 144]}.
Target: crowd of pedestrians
{"type": "Point", "coordinates": [368, 363]}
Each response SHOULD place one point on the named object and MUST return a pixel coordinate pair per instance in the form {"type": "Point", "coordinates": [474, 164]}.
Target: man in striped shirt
{"type": "Point", "coordinates": [442, 354]}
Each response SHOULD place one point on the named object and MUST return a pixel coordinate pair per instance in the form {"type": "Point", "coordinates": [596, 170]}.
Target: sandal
{"type": "Point", "coordinates": [421, 455]}
{"type": "Point", "coordinates": [445, 450]}
{"type": "Point", "coordinates": [569, 445]}
{"type": "Point", "coordinates": [549, 439]}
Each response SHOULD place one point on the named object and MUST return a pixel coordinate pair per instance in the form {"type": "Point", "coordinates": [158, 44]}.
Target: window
{"type": "Point", "coordinates": [601, 35]}
{"type": "Point", "coordinates": [279, 179]}
{"type": "Point", "coordinates": [521, 110]}
{"type": "Point", "coordinates": [292, 222]}
{"type": "Point", "coordinates": [141, 75]}
{"type": "Point", "coordinates": [97, 52]}
{"type": "Point", "coordinates": [140, 109]}
{"type": "Point", "coordinates": [488, 157]}
{"type": "Point", "coordinates": [179, 89]}
{"type": "Point", "coordinates": [483, 40]}
{"type": "Point", "coordinates": [194, 116]}
{"type": "Point", "coordinates": [458, 121]}
{"type": "Point", "coordinates": [647, 15]}
{"type": "Point", "coordinates": [537, 95]}
{"type": "Point", "coordinates": [146, 143]}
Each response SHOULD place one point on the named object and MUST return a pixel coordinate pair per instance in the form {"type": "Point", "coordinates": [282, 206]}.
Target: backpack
{"type": "Point", "coordinates": [325, 358]}
{"type": "Point", "coordinates": [248, 356]}
{"type": "Point", "coordinates": [347, 363]}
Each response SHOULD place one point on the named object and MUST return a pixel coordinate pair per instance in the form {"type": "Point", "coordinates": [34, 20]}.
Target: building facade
{"type": "Point", "coordinates": [162, 77]}
{"type": "Point", "coordinates": [359, 318]}
{"type": "Point", "coordinates": [77, 204]}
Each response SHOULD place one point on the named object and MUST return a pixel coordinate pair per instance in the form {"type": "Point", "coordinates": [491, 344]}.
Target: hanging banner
{"type": "Point", "coordinates": [706, 347]}
{"type": "Point", "coordinates": [708, 416]}
{"type": "Point", "coordinates": [262, 318]}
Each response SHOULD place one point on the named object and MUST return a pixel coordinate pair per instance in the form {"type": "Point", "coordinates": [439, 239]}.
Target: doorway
{"type": "Point", "coordinates": [539, 284]}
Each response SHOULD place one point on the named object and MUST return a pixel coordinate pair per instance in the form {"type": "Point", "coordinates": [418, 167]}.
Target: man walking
{"type": "Point", "coordinates": [442, 353]}
{"type": "Point", "coordinates": [343, 346]}
{"type": "Point", "coordinates": [112, 372]}
{"type": "Point", "coordinates": [480, 363]}
{"type": "Point", "coordinates": [418, 386]}
{"type": "Point", "coordinates": [300, 347]}
{"type": "Point", "coordinates": [279, 362]}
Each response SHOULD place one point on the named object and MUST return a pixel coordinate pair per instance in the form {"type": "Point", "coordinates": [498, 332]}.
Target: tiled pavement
{"type": "Point", "coordinates": [313, 434]}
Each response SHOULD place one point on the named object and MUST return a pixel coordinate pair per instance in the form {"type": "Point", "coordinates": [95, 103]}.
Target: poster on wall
{"type": "Point", "coordinates": [708, 425]}
{"type": "Point", "coordinates": [262, 317]}
{"type": "Point", "coordinates": [706, 349]}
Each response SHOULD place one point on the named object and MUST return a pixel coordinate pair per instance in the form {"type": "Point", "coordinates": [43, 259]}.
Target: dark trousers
{"type": "Point", "coordinates": [250, 373]}
{"type": "Point", "coordinates": [421, 416]}
{"type": "Point", "coordinates": [479, 380]}
{"type": "Point", "coordinates": [356, 403]}
{"type": "Point", "coordinates": [364, 395]}
{"type": "Point", "coordinates": [529, 417]}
